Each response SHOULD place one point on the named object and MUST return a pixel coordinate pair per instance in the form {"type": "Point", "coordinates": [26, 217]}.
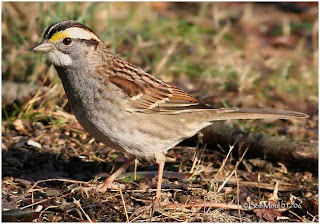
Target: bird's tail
{"type": "Point", "coordinates": [252, 113]}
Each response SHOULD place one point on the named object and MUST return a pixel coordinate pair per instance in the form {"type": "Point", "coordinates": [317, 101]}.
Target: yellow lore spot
{"type": "Point", "coordinates": [57, 36]}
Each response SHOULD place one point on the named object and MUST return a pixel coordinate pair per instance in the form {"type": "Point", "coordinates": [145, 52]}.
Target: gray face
{"type": "Point", "coordinates": [66, 55]}
{"type": "Point", "coordinates": [65, 47]}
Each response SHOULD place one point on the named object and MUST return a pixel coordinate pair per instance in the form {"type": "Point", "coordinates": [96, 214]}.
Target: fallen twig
{"type": "Point", "coordinates": [233, 171]}
{"type": "Point", "coordinates": [124, 204]}
{"type": "Point", "coordinates": [296, 154]}
{"type": "Point", "coordinates": [77, 203]}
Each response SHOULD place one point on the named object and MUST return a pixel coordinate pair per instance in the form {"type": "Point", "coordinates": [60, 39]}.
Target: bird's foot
{"type": "Point", "coordinates": [109, 185]}
{"type": "Point", "coordinates": [84, 190]}
{"type": "Point", "coordinates": [100, 188]}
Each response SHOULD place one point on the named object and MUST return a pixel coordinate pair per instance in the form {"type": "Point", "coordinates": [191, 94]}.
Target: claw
{"type": "Point", "coordinates": [113, 186]}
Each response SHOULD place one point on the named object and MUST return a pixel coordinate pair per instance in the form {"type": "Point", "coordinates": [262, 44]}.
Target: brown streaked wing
{"type": "Point", "coordinates": [163, 98]}
{"type": "Point", "coordinates": [150, 95]}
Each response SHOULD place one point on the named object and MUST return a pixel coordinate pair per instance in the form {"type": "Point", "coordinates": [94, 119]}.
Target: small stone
{"type": "Point", "coordinates": [308, 194]}
{"type": "Point", "coordinates": [18, 125]}
{"type": "Point", "coordinates": [84, 136]}
{"type": "Point", "coordinates": [52, 192]}
{"type": "Point", "coordinates": [34, 144]}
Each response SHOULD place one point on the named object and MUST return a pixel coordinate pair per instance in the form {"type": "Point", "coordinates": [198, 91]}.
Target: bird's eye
{"type": "Point", "coordinates": [67, 41]}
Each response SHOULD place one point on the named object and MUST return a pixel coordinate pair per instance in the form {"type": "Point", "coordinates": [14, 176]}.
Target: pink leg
{"type": "Point", "coordinates": [159, 183]}
{"type": "Point", "coordinates": [103, 187]}
{"type": "Point", "coordinates": [156, 202]}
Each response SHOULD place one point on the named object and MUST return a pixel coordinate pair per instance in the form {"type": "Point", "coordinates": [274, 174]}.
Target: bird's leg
{"type": "Point", "coordinates": [156, 201]}
{"type": "Point", "coordinates": [107, 183]}
{"type": "Point", "coordinates": [159, 183]}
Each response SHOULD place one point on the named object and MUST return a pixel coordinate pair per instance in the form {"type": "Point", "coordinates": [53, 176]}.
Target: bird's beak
{"type": "Point", "coordinates": [44, 46]}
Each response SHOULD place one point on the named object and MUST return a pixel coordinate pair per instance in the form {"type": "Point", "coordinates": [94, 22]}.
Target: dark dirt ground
{"type": "Point", "coordinates": [47, 157]}
{"type": "Point", "coordinates": [50, 175]}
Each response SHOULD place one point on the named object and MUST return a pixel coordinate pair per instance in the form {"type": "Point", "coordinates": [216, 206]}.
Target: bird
{"type": "Point", "coordinates": [125, 107]}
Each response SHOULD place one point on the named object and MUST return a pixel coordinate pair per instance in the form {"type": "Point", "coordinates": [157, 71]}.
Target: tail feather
{"type": "Point", "coordinates": [254, 113]}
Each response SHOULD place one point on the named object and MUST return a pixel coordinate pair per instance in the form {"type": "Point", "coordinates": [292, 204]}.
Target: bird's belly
{"type": "Point", "coordinates": [96, 127]}
{"type": "Point", "coordinates": [148, 136]}
{"type": "Point", "coordinates": [123, 131]}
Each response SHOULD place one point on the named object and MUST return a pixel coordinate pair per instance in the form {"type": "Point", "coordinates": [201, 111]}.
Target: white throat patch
{"type": "Point", "coordinates": [58, 58]}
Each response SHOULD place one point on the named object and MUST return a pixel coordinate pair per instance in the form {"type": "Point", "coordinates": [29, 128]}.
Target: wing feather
{"type": "Point", "coordinates": [147, 94]}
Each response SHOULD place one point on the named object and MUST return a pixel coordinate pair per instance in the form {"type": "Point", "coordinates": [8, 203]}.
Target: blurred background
{"type": "Point", "coordinates": [225, 54]}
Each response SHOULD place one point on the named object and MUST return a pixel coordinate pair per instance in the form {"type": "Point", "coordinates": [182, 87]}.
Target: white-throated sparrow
{"type": "Point", "coordinates": [124, 107]}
